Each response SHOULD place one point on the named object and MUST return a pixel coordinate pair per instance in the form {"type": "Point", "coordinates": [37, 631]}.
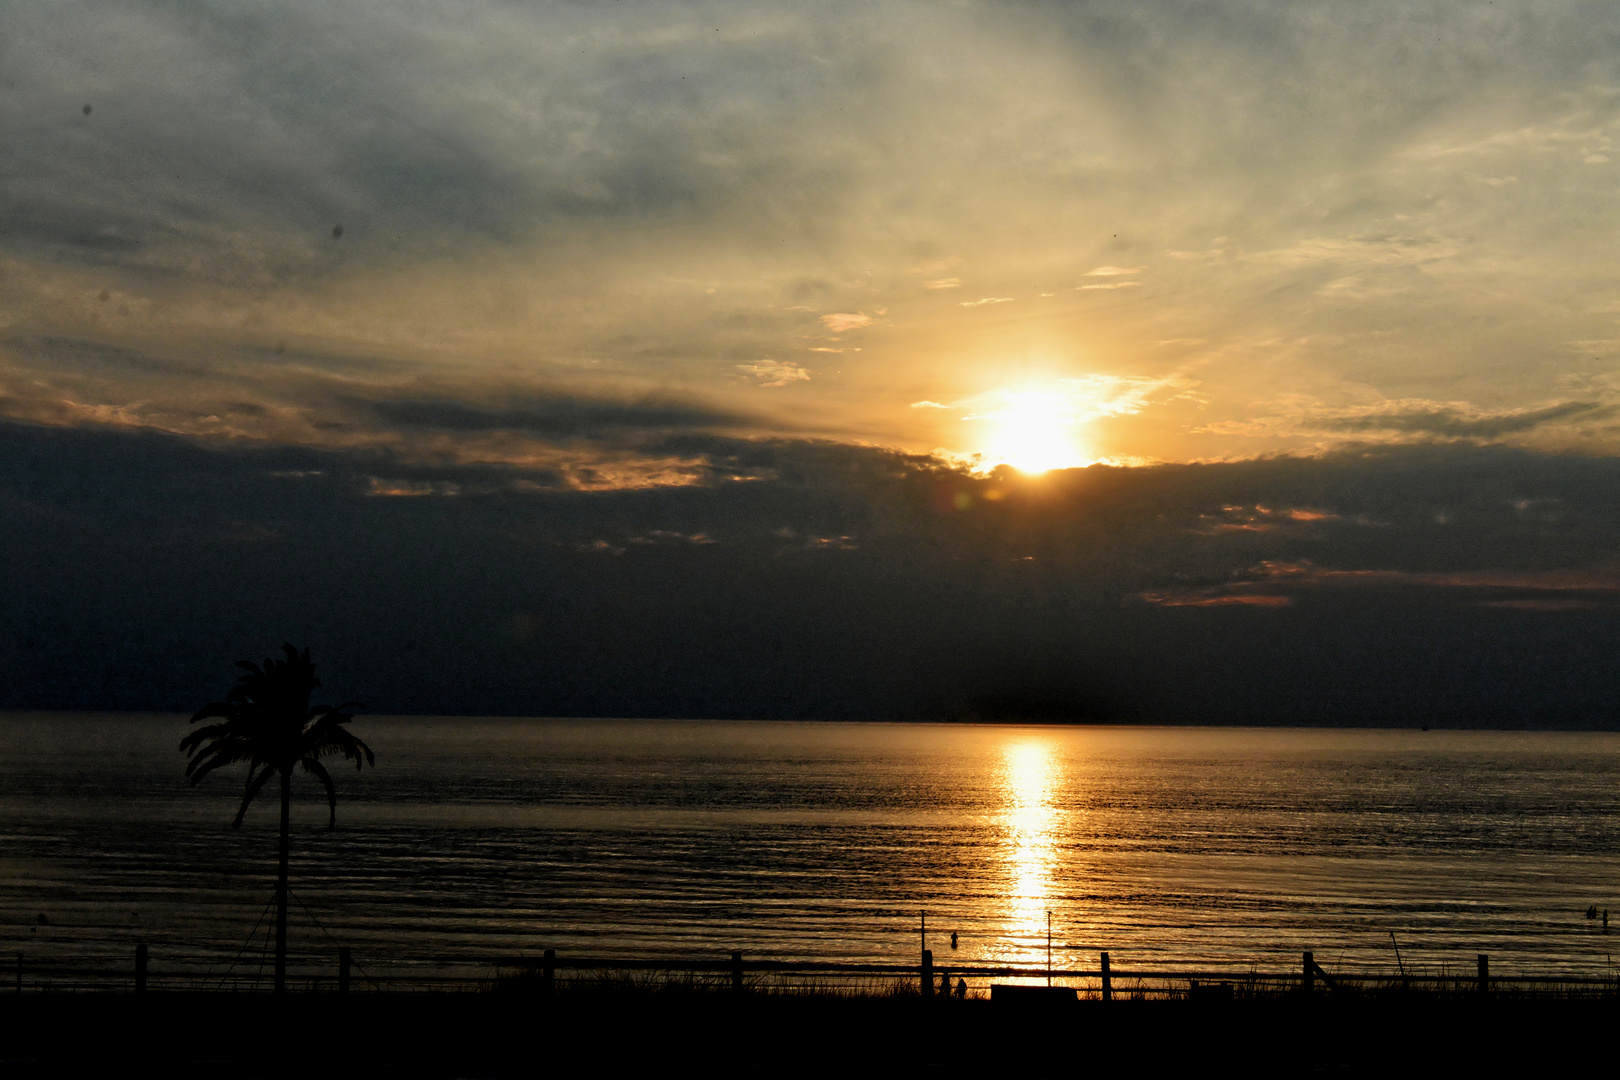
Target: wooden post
{"type": "Point", "coordinates": [140, 969]}
{"type": "Point", "coordinates": [1484, 973]}
{"type": "Point", "coordinates": [548, 972]}
{"type": "Point", "coordinates": [1309, 983]}
{"type": "Point", "coordinates": [927, 974]}
{"type": "Point", "coordinates": [736, 973]}
{"type": "Point", "coordinates": [345, 958]}
{"type": "Point", "coordinates": [1107, 980]}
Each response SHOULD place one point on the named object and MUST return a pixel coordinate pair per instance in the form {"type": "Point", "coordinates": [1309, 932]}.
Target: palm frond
{"type": "Point", "coordinates": [267, 721]}
{"type": "Point", "coordinates": [327, 736]}
{"type": "Point", "coordinates": [213, 708]}
{"type": "Point", "coordinates": [216, 756]}
{"type": "Point", "coordinates": [205, 734]}
{"type": "Point", "coordinates": [311, 765]}
{"type": "Point", "coordinates": [255, 785]}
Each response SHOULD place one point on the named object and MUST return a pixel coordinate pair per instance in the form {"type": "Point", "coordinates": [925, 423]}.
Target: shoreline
{"type": "Point", "coordinates": [1415, 725]}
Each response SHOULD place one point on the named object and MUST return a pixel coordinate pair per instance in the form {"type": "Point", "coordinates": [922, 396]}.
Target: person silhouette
{"type": "Point", "coordinates": [953, 939]}
{"type": "Point", "coordinates": [961, 989]}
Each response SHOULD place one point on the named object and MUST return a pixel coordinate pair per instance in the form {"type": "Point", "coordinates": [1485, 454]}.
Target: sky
{"type": "Point", "coordinates": [1250, 360]}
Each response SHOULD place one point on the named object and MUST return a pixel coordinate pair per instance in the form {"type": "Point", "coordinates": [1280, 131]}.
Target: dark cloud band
{"type": "Point", "coordinates": [1439, 584]}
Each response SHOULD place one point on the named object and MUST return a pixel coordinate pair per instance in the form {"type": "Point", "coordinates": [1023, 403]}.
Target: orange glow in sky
{"type": "Point", "coordinates": [1033, 431]}
{"type": "Point", "coordinates": [856, 242]}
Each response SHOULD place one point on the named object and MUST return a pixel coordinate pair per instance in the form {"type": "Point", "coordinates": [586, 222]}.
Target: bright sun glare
{"type": "Point", "coordinates": [1034, 433]}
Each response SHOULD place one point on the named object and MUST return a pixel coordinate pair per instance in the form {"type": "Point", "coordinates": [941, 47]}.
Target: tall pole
{"type": "Point", "coordinates": [281, 883]}
{"type": "Point", "coordinates": [1048, 946]}
{"type": "Point", "coordinates": [926, 961]}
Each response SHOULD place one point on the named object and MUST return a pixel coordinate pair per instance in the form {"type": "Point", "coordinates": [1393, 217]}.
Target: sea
{"type": "Point", "coordinates": [476, 841]}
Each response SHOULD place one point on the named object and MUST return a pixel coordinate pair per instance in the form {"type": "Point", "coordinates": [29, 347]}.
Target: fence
{"type": "Point", "coordinates": [553, 974]}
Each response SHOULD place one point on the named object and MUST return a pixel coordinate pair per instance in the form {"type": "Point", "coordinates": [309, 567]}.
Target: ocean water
{"type": "Point", "coordinates": [476, 840]}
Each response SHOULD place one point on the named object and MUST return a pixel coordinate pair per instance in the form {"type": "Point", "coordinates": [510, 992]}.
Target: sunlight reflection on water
{"type": "Point", "coordinates": [1029, 779]}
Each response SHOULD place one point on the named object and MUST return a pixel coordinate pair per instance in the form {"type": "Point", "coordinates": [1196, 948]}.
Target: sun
{"type": "Point", "coordinates": [1034, 432]}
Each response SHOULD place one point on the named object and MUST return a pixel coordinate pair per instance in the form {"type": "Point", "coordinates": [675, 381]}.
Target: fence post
{"type": "Point", "coordinates": [1484, 973]}
{"type": "Point", "coordinates": [345, 958]}
{"type": "Point", "coordinates": [736, 973]}
{"type": "Point", "coordinates": [927, 973]}
{"type": "Point", "coordinates": [1107, 980]}
{"type": "Point", "coordinates": [140, 969]}
{"type": "Point", "coordinates": [1309, 982]}
{"type": "Point", "coordinates": [548, 972]}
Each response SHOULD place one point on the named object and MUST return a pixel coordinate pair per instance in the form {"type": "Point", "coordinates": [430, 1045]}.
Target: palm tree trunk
{"type": "Point", "coordinates": [281, 884]}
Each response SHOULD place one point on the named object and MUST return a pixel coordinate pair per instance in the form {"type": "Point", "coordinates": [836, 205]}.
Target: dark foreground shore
{"type": "Point", "coordinates": [483, 1035]}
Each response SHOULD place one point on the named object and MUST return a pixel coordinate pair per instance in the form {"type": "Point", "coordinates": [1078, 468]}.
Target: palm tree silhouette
{"type": "Point", "coordinates": [268, 722]}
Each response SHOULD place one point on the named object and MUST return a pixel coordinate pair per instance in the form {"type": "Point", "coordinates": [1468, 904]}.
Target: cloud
{"type": "Point", "coordinates": [582, 438]}
{"type": "Point", "coordinates": [657, 535]}
{"type": "Point", "coordinates": [1076, 402]}
{"type": "Point", "coordinates": [930, 405]}
{"type": "Point", "coordinates": [1112, 285]}
{"type": "Point", "coordinates": [560, 416]}
{"type": "Point", "coordinates": [1411, 420]}
{"type": "Point", "coordinates": [987, 300]}
{"type": "Point", "coordinates": [1591, 580]}
{"type": "Point", "coordinates": [943, 283]}
{"type": "Point", "coordinates": [1471, 423]}
{"type": "Point", "coordinates": [1380, 250]}
{"type": "Point", "coordinates": [1113, 271]}
{"type": "Point", "coordinates": [1262, 519]}
{"type": "Point", "coordinates": [1276, 582]}
{"type": "Point", "coordinates": [377, 485]}
{"type": "Point", "coordinates": [1216, 600]}
{"type": "Point", "coordinates": [845, 321]}
{"type": "Point", "coordinates": [774, 373]}
{"type": "Point", "coordinates": [1096, 396]}
{"type": "Point", "coordinates": [1540, 604]}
